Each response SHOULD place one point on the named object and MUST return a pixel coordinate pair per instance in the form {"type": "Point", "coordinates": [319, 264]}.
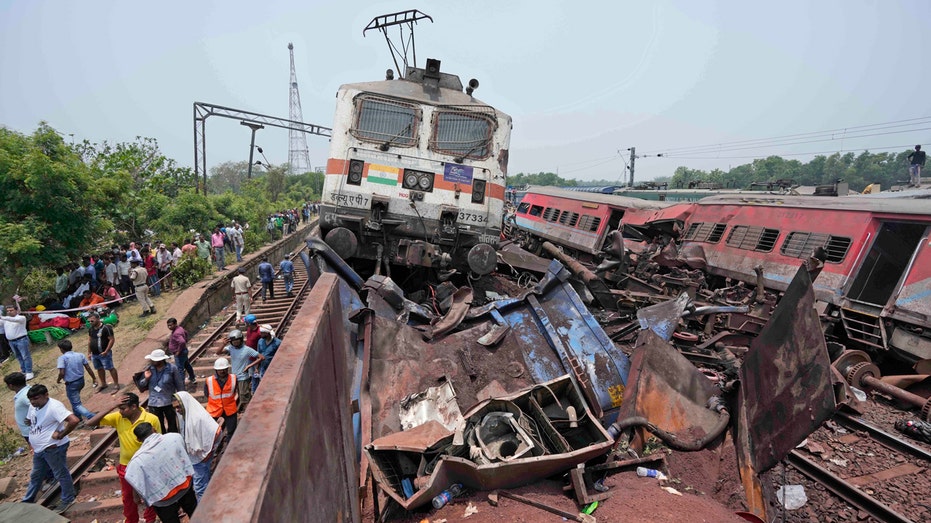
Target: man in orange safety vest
{"type": "Point", "coordinates": [222, 400]}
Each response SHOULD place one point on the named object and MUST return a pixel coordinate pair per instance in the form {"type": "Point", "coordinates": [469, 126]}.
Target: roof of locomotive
{"type": "Point", "coordinates": [837, 203]}
{"type": "Point", "coordinates": [608, 199]}
{"type": "Point", "coordinates": [416, 92]}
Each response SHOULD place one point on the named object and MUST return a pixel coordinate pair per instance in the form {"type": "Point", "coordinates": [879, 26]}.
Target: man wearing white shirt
{"type": "Point", "coordinates": [14, 327]}
{"type": "Point", "coordinates": [49, 425]}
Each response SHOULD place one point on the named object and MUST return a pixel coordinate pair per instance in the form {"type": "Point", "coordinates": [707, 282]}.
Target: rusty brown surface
{"type": "Point", "coordinates": [307, 472]}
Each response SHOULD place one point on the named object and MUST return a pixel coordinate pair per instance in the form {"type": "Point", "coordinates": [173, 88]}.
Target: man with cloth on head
{"type": "Point", "coordinates": [240, 354]}
{"type": "Point", "coordinates": [220, 391]}
{"type": "Point", "coordinates": [161, 474]}
{"type": "Point", "coordinates": [241, 286]}
{"type": "Point", "coordinates": [139, 278]}
{"type": "Point", "coordinates": [129, 416]}
{"type": "Point", "coordinates": [201, 435]}
{"type": "Point", "coordinates": [163, 380]}
{"type": "Point", "coordinates": [49, 425]}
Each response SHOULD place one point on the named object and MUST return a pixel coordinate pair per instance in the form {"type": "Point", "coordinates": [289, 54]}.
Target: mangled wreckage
{"type": "Point", "coordinates": [497, 389]}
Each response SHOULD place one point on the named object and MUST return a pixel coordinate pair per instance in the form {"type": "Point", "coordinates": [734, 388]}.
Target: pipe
{"type": "Point", "coordinates": [899, 394]}
{"type": "Point", "coordinates": [320, 247]}
{"type": "Point", "coordinates": [716, 309]}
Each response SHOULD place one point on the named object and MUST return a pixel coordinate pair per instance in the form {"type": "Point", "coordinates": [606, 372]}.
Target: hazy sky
{"type": "Point", "coordinates": [582, 80]}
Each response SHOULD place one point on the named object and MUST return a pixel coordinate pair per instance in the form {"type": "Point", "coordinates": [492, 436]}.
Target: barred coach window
{"type": "Point", "coordinates": [463, 133]}
{"type": "Point", "coordinates": [385, 121]}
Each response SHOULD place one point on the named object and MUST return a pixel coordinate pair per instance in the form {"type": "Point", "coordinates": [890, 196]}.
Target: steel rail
{"type": "Point", "coordinates": [884, 438]}
{"type": "Point", "coordinates": [844, 490]}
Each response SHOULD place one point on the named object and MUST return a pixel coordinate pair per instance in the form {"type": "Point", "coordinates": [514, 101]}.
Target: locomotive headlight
{"type": "Point", "coordinates": [425, 182]}
{"type": "Point", "coordinates": [410, 180]}
{"type": "Point", "coordinates": [355, 172]}
{"type": "Point", "coordinates": [478, 191]}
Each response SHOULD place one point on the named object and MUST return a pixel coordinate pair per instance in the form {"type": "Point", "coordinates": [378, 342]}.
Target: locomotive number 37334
{"type": "Point", "coordinates": [472, 217]}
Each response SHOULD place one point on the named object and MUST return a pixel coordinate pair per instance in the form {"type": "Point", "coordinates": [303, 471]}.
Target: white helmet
{"type": "Point", "coordinates": [235, 334]}
{"type": "Point", "coordinates": [221, 364]}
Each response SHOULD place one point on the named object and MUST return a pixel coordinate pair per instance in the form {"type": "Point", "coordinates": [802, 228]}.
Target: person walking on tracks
{"type": "Point", "coordinates": [267, 346]}
{"type": "Point", "coordinates": [220, 391]}
{"type": "Point", "coordinates": [177, 346]}
{"type": "Point", "coordinates": [140, 278]}
{"type": "Point", "coordinates": [162, 474]}
{"type": "Point", "coordinates": [241, 289]}
{"type": "Point", "coordinates": [267, 275]}
{"type": "Point", "coordinates": [201, 435]}
{"type": "Point", "coordinates": [287, 273]}
{"type": "Point", "coordinates": [917, 159]}
{"type": "Point", "coordinates": [129, 414]}
{"type": "Point", "coordinates": [240, 355]}
{"type": "Point", "coordinates": [49, 425]}
{"type": "Point", "coordinates": [71, 367]}
{"type": "Point", "coordinates": [163, 380]}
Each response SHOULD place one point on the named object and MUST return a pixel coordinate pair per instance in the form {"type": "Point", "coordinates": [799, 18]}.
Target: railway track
{"type": "Point", "coordinates": [98, 497]}
{"type": "Point", "coordinates": [855, 470]}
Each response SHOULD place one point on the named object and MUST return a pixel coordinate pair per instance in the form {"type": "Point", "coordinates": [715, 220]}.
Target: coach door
{"type": "Point", "coordinates": [886, 262]}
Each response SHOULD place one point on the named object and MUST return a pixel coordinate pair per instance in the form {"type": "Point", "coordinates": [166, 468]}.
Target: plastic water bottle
{"type": "Point", "coordinates": [443, 498]}
{"type": "Point", "coordinates": [644, 472]}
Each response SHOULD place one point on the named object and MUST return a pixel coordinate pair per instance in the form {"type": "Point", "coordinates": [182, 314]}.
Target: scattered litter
{"type": "Point", "coordinates": [859, 394]}
{"type": "Point", "coordinates": [469, 510]}
{"type": "Point", "coordinates": [802, 444]}
{"type": "Point", "coordinates": [117, 492]}
{"type": "Point", "coordinates": [839, 462]}
{"type": "Point", "coordinates": [644, 472]}
{"type": "Point", "coordinates": [589, 508]}
{"type": "Point", "coordinates": [672, 491]}
{"type": "Point", "coordinates": [792, 496]}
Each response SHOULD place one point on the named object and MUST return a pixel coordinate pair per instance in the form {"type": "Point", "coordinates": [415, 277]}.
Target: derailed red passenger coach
{"type": "Point", "coordinates": [877, 274]}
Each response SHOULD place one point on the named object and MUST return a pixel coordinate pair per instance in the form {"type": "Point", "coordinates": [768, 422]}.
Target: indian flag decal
{"type": "Point", "coordinates": [383, 174]}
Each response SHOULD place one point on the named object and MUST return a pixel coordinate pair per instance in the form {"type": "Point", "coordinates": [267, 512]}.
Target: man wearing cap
{"type": "Point", "coordinates": [267, 275]}
{"type": "Point", "coordinates": [139, 278]}
{"type": "Point", "coordinates": [220, 391]}
{"type": "Point", "coordinates": [267, 346]}
{"type": "Point", "coordinates": [163, 380]}
{"type": "Point", "coordinates": [240, 354]}
{"type": "Point", "coordinates": [252, 333]}
{"type": "Point", "coordinates": [129, 416]}
{"type": "Point", "coordinates": [241, 289]}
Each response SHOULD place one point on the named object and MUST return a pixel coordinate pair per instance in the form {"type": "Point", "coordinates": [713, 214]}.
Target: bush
{"type": "Point", "coordinates": [191, 269]}
{"type": "Point", "coordinates": [37, 284]}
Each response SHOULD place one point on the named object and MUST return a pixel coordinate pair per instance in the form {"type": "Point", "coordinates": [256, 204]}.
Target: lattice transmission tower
{"type": "Point", "coordinates": [298, 154]}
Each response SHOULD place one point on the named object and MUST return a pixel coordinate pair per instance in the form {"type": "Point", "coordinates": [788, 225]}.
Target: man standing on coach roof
{"type": "Point", "coordinates": [241, 286]}
{"type": "Point", "coordinates": [14, 328]}
{"type": "Point", "coordinates": [49, 425]}
{"type": "Point", "coordinates": [917, 159]}
{"type": "Point", "coordinates": [139, 277]}
{"type": "Point", "coordinates": [129, 416]}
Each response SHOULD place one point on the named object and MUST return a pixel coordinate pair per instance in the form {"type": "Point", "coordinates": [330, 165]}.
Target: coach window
{"type": "Point", "coordinates": [385, 121]}
{"type": "Point", "coordinates": [589, 223]}
{"type": "Point", "coordinates": [569, 218]}
{"type": "Point", "coordinates": [801, 244]}
{"type": "Point", "coordinates": [705, 232]}
{"type": "Point", "coordinates": [536, 210]}
{"type": "Point", "coordinates": [758, 239]}
{"type": "Point", "coordinates": [462, 133]}
{"type": "Point", "coordinates": [551, 214]}
{"type": "Point", "coordinates": [523, 208]}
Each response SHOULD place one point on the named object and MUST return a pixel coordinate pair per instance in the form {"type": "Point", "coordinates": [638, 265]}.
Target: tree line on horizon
{"type": "Point", "coordinates": [858, 170]}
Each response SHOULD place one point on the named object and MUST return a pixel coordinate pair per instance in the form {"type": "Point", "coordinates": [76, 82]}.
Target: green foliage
{"type": "Point", "coordinates": [37, 284]}
{"type": "Point", "coordinates": [10, 438]}
{"type": "Point", "coordinates": [540, 178]}
{"type": "Point", "coordinates": [191, 269]}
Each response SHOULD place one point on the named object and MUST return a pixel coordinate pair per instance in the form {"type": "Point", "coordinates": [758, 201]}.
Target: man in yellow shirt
{"type": "Point", "coordinates": [129, 414]}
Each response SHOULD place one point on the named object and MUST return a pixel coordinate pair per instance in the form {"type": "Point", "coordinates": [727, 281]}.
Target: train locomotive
{"type": "Point", "coordinates": [416, 173]}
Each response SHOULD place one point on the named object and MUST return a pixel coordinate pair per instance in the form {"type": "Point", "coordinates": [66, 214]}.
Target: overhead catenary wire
{"type": "Point", "coordinates": [676, 157]}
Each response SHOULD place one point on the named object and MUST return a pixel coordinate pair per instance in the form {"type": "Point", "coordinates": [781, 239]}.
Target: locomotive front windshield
{"type": "Point", "coordinates": [386, 121]}
{"type": "Point", "coordinates": [462, 133]}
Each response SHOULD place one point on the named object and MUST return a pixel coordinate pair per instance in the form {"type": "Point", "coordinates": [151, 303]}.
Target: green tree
{"type": "Point", "coordinates": [227, 176]}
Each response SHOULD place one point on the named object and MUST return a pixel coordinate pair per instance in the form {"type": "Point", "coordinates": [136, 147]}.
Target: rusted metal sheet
{"type": "Point", "coordinates": [667, 390]}
{"type": "Point", "coordinates": [513, 255]}
{"type": "Point", "coordinates": [309, 470]}
{"type": "Point", "coordinates": [786, 387]}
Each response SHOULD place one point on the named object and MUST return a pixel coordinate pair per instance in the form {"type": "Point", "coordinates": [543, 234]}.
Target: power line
{"type": "Point", "coordinates": [857, 130]}
{"type": "Point", "coordinates": [788, 154]}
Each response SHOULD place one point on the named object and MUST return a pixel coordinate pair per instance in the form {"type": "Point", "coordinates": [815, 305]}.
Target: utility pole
{"type": "Point", "coordinates": [633, 158]}
{"type": "Point", "coordinates": [255, 127]}
{"type": "Point", "coordinates": [298, 155]}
